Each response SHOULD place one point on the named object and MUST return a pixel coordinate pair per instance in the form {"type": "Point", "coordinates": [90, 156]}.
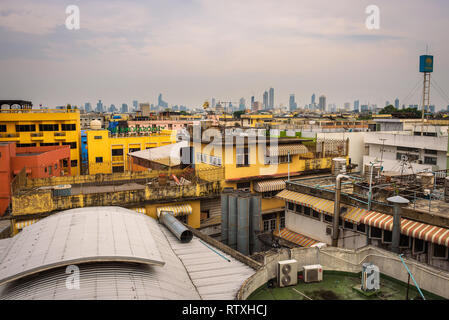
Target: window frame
{"type": "Point", "coordinates": [434, 246]}
{"type": "Point", "coordinates": [371, 233]}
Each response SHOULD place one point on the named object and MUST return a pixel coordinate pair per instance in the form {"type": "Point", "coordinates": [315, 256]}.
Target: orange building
{"type": "Point", "coordinates": [39, 162]}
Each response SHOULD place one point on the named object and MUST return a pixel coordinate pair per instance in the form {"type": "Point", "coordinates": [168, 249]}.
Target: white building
{"type": "Point", "coordinates": [408, 151]}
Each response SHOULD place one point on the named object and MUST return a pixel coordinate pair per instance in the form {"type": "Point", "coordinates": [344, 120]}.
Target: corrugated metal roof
{"type": "Point", "coordinates": [78, 236]}
{"type": "Point", "coordinates": [283, 150]}
{"type": "Point", "coordinates": [191, 271]}
{"type": "Point", "coordinates": [170, 153]}
{"type": "Point", "coordinates": [215, 274]}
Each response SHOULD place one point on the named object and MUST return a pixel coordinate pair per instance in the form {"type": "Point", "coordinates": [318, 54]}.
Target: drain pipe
{"type": "Point", "coordinates": [337, 208]}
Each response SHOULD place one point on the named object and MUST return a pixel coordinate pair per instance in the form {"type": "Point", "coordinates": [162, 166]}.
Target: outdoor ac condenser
{"type": "Point", "coordinates": [287, 274]}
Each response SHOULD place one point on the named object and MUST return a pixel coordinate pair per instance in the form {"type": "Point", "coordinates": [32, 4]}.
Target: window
{"type": "Point", "coordinates": [407, 149]}
{"type": "Point", "coordinates": [242, 156]}
{"type": "Point", "coordinates": [56, 166]}
{"type": "Point", "coordinates": [205, 214]}
{"type": "Point", "coordinates": [282, 220]}
{"type": "Point", "coordinates": [328, 218]}
{"type": "Point", "coordinates": [427, 151]}
{"type": "Point", "coordinates": [25, 127]}
{"type": "Point", "coordinates": [269, 222]}
{"type": "Point", "coordinates": [404, 241]}
{"type": "Point", "coordinates": [134, 149]}
{"type": "Point", "coordinates": [307, 211]}
{"type": "Point", "coordinates": [45, 144]}
{"type": "Point", "coordinates": [98, 159]}
{"type": "Point", "coordinates": [430, 160]}
{"type": "Point", "coordinates": [269, 194]}
{"type": "Point", "coordinates": [291, 206]}
{"type": "Point", "coordinates": [299, 208]}
{"type": "Point", "coordinates": [64, 163]}
{"type": "Point", "coordinates": [419, 246]}
{"type": "Point", "coordinates": [117, 152]}
{"type": "Point", "coordinates": [71, 144]}
{"type": "Point", "coordinates": [73, 163]}
{"type": "Point", "coordinates": [243, 185]}
{"type": "Point", "coordinates": [375, 233]}
{"type": "Point", "coordinates": [118, 169]}
{"type": "Point", "coordinates": [387, 236]}
{"type": "Point", "coordinates": [49, 170]}
{"type": "Point", "coordinates": [316, 215]}
{"type": "Point", "coordinates": [348, 225]}
{"type": "Point", "coordinates": [361, 228]}
{"type": "Point", "coordinates": [439, 251]}
{"type": "Point", "coordinates": [25, 145]}
{"type": "Point", "coordinates": [68, 127]}
{"type": "Point", "coordinates": [2, 127]}
{"type": "Point", "coordinates": [98, 137]}
{"type": "Point", "coordinates": [430, 134]}
{"type": "Point", "coordinates": [284, 159]}
{"type": "Point", "coordinates": [48, 127]}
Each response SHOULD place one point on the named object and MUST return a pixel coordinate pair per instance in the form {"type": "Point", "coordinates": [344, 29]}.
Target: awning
{"type": "Point", "coordinates": [140, 210]}
{"type": "Point", "coordinates": [22, 224]}
{"type": "Point", "coordinates": [325, 206]}
{"type": "Point", "coordinates": [269, 185]}
{"type": "Point", "coordinates": [179, 210]}
{"type": "Point", "coordinates": [297, 238]}
{"type": "Point", "coordinates": [409, 228]}
{"type": "Point", "coordinates": [284, 149]}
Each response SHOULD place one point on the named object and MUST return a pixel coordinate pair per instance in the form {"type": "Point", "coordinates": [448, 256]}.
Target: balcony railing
{"type": "Point", "coordinates": [9, 135]}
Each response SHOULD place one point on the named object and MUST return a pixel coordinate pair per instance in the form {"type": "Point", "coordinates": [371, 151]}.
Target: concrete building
{"type": "Point", "coordinates": [31, 162]}
{"type": "Point", "coordinates": [408, 151]}
{"type": "Point", "coordinates": [108, 152]}
{"type": "Point", "coordinates": [43, 127]}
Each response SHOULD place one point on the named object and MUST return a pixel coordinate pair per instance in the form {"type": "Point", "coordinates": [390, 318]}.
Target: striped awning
{"type": "Point", "coordinates": [140, 210]}
{"type": "Point", "coordinates": [25, 223]}
{"type": "Point", "coordinates": [297, 238]}
{"type": "Point", "coordinates": [325, 206]}
{"type": "Point", "coordinates": [269, 185]}
{"type": "Point", "coordinates": [284, 149]}
{"type": "Point", "coordinates": [409, 228]}
{"type": "Point", "coordinates": [179, 210]}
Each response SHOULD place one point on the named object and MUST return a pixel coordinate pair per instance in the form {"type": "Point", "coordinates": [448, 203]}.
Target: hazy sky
{"type": "Point", "coordinates": [192, 50]}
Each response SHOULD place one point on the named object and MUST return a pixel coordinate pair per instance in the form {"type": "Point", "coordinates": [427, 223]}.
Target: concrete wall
{"type": "Point", "coordinates": [331, 258]}
{"type": "Point", "coordinates": [356, 144]}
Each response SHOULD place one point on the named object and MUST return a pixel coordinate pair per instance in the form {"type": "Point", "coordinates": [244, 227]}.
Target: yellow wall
{"type": "Point", "coordinates": [102, 147]}
{"type": "Point", "coordinates": [193, 219]}
{"type": "Point", "coordinates": [36, 117]}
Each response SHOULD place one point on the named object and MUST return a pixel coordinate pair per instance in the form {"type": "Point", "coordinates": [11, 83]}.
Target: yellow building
{"type": "Point", "coordinates": [247, 168]}
{"type": "Point", "coordinates": [255, 120]}
{"type": "Point", "coordinates": [43, 127]}
{"type": "Point", "coordinates": [107, 152]}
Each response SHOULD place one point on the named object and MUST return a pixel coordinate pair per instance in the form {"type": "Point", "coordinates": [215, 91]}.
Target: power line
{"type": "Point", "coordinates": [412, 92]}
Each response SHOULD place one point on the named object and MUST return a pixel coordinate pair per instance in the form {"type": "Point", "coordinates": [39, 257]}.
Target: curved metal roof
{"type": "Point", "coordinates": [80, 236]}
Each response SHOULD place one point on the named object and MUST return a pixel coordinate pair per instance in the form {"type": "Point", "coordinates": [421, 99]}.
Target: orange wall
{"type": "Point", "coordinates": [7, 151]}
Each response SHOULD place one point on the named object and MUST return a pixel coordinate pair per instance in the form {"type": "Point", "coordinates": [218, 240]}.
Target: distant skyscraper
{"type": "Point", "coordinates": [213, 103]}
{"type": "Point", "coordinates": [124, 108]}
{"type": "Point", "coordinates": [322, 103]}
{"type": "Point", "coordinates": [161, 103]}
{"type": "Point", "coordinates": [99, 106]}
{"type": "Point", "coordinates": [271, 99]}
{"type": "Point", "coordinates": [292, 103]}
{"type": "Point", "coordinates": [313, 99]}
{"type": "Point", "coordinates": [112, 108]}
{"type": "Point", "coordinates": [356, 105]}
{"type": "Point", "coordinates": [252, 101]}
{"type": "Point", "coordinates": [135, 105]}
{"type": "Point", "coordinates": [242, 104]}
{"type": "Point", "coordinates": [396, 103]}
{"type": "Point", "coordinates": [265, 100]}
{"type": "Point", "coordinates": [347, 106]}
{"type": "Point", "coordinates": [87, 107]}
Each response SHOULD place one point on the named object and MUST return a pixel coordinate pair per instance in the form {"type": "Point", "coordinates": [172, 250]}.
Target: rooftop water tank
{"type": "Point", "coordinates": [338, 166]}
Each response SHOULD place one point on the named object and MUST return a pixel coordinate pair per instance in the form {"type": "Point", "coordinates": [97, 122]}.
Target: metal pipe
{"type": "Point", "coordinates": [175, 226]}
{"type": "Point", "coordinates": [337, 208]}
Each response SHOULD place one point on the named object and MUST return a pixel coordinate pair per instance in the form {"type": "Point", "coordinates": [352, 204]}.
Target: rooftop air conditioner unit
{"type": "Point", "coordinates": [329, 230]}
{"type": "Point", "coordinates": [287, 274]}
{"type": "Point", "coordinates": [313, 273]}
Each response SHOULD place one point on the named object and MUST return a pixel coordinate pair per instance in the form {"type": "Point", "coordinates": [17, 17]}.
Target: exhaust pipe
{"type": "Point", "coordinates": [337, 208]}
{"type": "Point", "coordinates": [175, 226]}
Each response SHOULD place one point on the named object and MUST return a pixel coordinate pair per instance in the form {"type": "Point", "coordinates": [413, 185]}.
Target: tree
{"type": "Point", "coordinates": [388, 110]}
{"type": "Point", "coordinates": [238, 114]}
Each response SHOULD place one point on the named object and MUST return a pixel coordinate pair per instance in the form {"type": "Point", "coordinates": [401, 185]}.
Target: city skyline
{"type": "Point", "coordinates": [311, 47]}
